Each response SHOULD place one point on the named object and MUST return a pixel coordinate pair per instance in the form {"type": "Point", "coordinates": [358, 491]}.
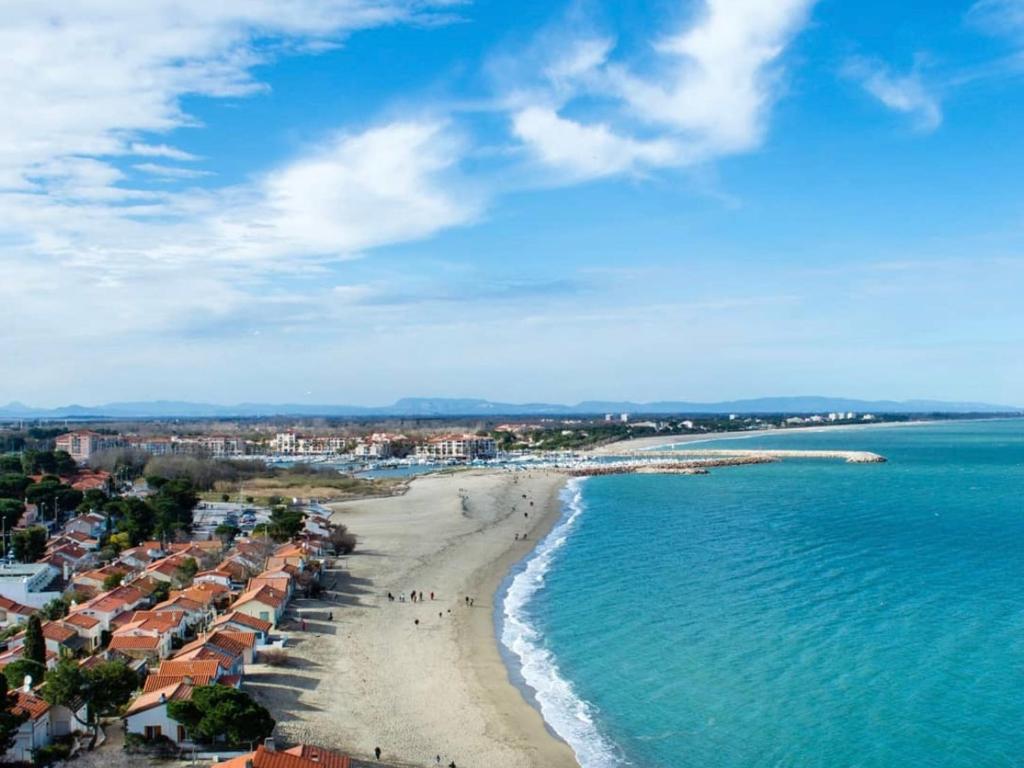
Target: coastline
{"type": "Point", "coordinates": [397, 674]}
{"type": "Point", "coordinates": [644, 443]}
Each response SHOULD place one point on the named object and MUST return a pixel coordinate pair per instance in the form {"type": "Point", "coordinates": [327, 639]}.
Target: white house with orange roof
{"type": "Point", "coordinates": [265, 603]}
{"type": "Point", "coordinates": [147, 716]}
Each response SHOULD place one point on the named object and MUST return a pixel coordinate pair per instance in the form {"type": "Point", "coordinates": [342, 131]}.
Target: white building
{"type": "Point", "coordinates": [28, 583]}
{"type": "Point", "coordinates": [458, 448]}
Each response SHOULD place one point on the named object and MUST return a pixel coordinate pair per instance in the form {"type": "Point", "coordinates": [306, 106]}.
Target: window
{"type": "Point", "coordinates": [152, 732]}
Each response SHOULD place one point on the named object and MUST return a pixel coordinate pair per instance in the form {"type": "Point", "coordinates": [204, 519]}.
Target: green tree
{"type": "Point", "coordinates": [11, 462]}
{"type": "Point", "coordinates": [16, 672]}
{"type": "Point", "coordinates": [13, 485]}
{"type": "Point", "coordinates": [134, 517]}
{"type": "Point", "coordinates": [64, 465]}
{"type": "Point", "coordinates": [92, 499]}
{"type": "Point", "coordinates": [29, 545]}
{"type": "Point", "coordinates": [187, 571]}
{"type": "Point", "coordinates": [110, 685]}
{"type": "Point", "coordinates": [219, 710]}
{"type": "Point", "coordinates": [9, 722]}
{"type": "Point", "coordinates": [35, 643]}
{"type": "Point", "coordinates": [55, 609]}
{"type": "Point", "coordinates": [10, 513]}
{"type": "Point", "coordinates": [63, 682]}
{"type": "Point", "coordinates": [113, 581]}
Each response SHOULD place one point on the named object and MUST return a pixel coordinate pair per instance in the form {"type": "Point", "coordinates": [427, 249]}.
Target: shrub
{"type": "Point", "coordinates": [274, 658]}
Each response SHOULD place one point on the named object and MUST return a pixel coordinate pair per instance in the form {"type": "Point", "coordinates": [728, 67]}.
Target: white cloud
{"type": "Point", "coordinates": [906, 94]}
{"type": "Point", "coordinates": [159, 150]}
{"type": "Point", "coordinates": [716, 80]}
{"type": "Point", "coordinates": [1001, 17]}
{"type": "Point", "coordinates": [707, 92]}
{"type": "Point", "coordinates": [587, 151]}
{"type": "Point", "coordinates": [388, 184]}
{"type": "Point", "coordinates": [170, 171]}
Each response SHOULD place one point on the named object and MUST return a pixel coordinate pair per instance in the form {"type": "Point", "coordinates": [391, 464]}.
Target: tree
{"type": "Point", "coordinates": [344, 543]}
{"type": "Point", "coordinates": [30, 544]}
{"type": "Point", "coordinates": [10, 513]}
{"type": "Point", "coordinates": [134, 517]}
{"type": "Point", "coordinates": [9, 722]}
{"type": "Point", "coordinates": [55, 609]}
{"type": "Point", "coordinates": [64, 682]}
{"type": "Point", "coordinates": [111, 685]}
{"type": "Point", "coordinates": [92, 499]}
{"type": "Point", "coordinates": [120, 541]}
{"type": "Point", "coordinates": [113, 581]}
{"type": "Point", "coordinates": [16, 672]}
{"type": "Point", "coordinates": [187, 570]}
{"type": "Point", "coordinates": [64, 465]}
{"type": "Point", "coordinates": [35, 643]}
{"type": "Point", "coordinates": [227, 532]}
{"type": "Point", "coordinates": [11, 462]}
{"type": "Point", "coordinates": [13, 485]}
{"type": "Point", "coordinates": [219, 710]}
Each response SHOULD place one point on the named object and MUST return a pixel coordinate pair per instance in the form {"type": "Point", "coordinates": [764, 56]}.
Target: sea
{"type": "Point", "coordinates": [802, 613]}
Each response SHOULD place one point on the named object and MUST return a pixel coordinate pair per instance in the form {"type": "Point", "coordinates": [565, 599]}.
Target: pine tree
{"type": "Point", "coordinates": [35, 644]}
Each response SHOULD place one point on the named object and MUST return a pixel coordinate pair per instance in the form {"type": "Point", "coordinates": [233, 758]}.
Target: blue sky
{"type": "Point", "coordinates": [358, 200]}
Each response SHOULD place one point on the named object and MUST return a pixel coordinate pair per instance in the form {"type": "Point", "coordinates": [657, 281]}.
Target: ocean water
{"type": "Point", "coordinates": [804, 613]}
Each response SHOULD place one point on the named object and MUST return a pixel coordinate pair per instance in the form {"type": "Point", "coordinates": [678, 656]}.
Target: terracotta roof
{"type": "Point", "coordinates": [134, 643]}
{"type": "Point", "coordinates": [302, 756]}
{"type": "Point", "coordinates": [266, 595]}
{"type": "Point", "coordinates": [12, 607]}
{"type": "Point", "coordinates": [81, 620]}
{"type": "Point", "coordinates": [28, 704]}
{"type": "Point", "coordinates": [182, 667]}
{"type": "Point", "coordinates": [52, 630]}
{"type": "Point", "coordinates": [236, 617]}
{"type": "Point", "coordinates": [174, 692]}
{"type": "Point", "coordinates": [209, 653]}
{"type": "Point", "coordinates": [156, 682]}
{"type": "Point", "coordinates": [179, 603]}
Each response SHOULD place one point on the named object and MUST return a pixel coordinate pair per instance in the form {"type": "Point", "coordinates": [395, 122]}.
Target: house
{"type": "Point", "coordinates": [150, 647]}
{"type": "Point", "coordinates": [141, 556]}
{"type": "Point", "coordinates": [196, 614]}
{"type": "Point", "coordinates": [148, 717]}
{"type": "Point", "coordinates": [244, 623]}
{"type": "Point", "coordinates": [110, 605]}
{"type": "Point", "coordinates": [265, 603]}
{"type": "Point", "coordinates": [278, 580]}
{"type": "Point", "coordinates": [88, 628]}
{"type": "Point", "coordinates": [95, 480]}
{"type": "Point", "coordinates": [228, 641]}
{"type": "Point", "coordinates": [183, 671]}
{"type": "Point", "coordinates": [90, 524]}
{"type": "Point", "coordinates": [37, 730]}
{"type": "Point", "coordinates": [148, 634]}
{"type": "Point", "coordinates": [13, 613]}
{"type": "Point", "coordinates": [301, 756]}
{"type": "Point", "coordinates": [231, 664]}
{"type": "Point", "coordinates": [93, 581]}
{"type": "Point", "coordinates": [215, 576]}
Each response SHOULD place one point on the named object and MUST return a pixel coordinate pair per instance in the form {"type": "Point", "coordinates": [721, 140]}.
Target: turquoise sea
{"type": "Point", "coordinates": [808, 613]}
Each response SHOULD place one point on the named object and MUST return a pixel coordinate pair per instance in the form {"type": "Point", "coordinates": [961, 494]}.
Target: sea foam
{"type": "Point", "coordinates": [564, 711]}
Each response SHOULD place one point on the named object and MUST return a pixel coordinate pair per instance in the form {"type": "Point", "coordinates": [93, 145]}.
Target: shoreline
{"type": "Point", "coordinates": [644, 443]}
{"type": "Point", "coordinates": [426, 679]}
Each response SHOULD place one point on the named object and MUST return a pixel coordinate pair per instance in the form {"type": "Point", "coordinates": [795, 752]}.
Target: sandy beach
{"type": "Point", "coordinates": [374, 677]}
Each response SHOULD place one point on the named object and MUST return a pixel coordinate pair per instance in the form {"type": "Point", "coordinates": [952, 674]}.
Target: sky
{"type": "Point", "coordinates": [351, 201]}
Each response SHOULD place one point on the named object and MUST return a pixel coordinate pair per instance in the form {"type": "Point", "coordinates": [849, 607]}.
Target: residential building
{"type": "Point", "coordinates": [83, 443]}
{"type": "Point", "coordinates": [28, 583]}
{"type": "Point", "coordinates": [458, 448]}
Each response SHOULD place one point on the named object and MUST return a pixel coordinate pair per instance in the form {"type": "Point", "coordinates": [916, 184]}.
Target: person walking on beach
{"type": "Point", "coordinates": [416, 622]}
{"type": "Point", "coordinates": [421, 597]}
{"type": "Point", "coordinates": [413, 595]}
{"type": "Point", "coordinates": [431, 595]}
{"type": "Point", "coordinates": [376, 751]}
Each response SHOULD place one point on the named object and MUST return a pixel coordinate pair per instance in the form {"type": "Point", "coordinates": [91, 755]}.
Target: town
{"type": "Point", "coordinates": [147, 568]}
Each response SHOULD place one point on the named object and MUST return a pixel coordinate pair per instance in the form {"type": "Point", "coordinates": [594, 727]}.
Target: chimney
{"type": "Point", "coordinates": [269, 745]}
{"type": "Point", "coordinates": [26, 686]}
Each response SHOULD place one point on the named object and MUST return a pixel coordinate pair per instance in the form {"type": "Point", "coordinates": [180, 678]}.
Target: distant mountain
{"type": "Point", "coordinates": [453, 407]}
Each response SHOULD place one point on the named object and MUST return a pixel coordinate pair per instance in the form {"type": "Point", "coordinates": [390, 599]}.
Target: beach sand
{"type": "Point", "coordinates": [373, 677]}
